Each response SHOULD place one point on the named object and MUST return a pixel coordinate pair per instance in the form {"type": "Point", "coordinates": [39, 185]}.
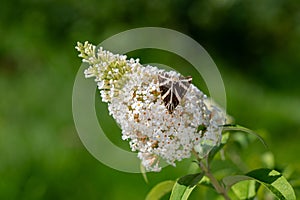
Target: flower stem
{"type": "Point", "coordinates": [215, 183]}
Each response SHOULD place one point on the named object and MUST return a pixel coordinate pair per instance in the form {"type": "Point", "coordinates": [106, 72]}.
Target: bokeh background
{"type": "Point", "coordinates": [254, 43]}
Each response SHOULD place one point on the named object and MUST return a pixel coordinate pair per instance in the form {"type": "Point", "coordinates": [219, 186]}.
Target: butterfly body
{"type": "Point", "coordinates": [173, 89]}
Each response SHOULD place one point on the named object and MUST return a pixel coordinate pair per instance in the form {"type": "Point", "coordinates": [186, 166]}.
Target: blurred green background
{"type": "Point", "coordinates": [254, 43]}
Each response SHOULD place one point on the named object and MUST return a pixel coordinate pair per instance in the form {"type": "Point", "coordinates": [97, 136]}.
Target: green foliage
{"type": "Point", "coordinates": [254, 43]}
{"type": "Point", "coordinates": [245, 189]}
{"type": "Point", "coordinates": [271, 179]}
{"type": "Point", "coordinates": [184, 186]}
{"type": "Point", "coordinates": [239, 128]}
{"type": "Point", "coordinates": [243, 186]}
{"type": "Point", "coordinates": [160, 190]}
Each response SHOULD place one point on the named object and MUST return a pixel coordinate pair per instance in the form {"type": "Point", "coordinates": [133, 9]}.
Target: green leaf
{"type": "Point", "coordinates": [233, 127]}
{"type": "Point", "coordinates": [275, 182]}
{"type": "Point", "coordinates": [245, 189]}
{"type": "Point", "coordinates": [216, 149]}
{"type": "Point", "coordinates": [160, 190]}
{"type": "Point", "coordinates": [205, 181]}
{"type": "Point", "coordinates": [185, 185]}
{"type": "Point", "coordinates": [229, 181]}
{"type": "Point", "coordinates": [271, 179]}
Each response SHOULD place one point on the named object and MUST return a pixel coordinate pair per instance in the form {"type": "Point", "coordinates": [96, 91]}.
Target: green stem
{"type": "Point", "coordinates": [215, 183]}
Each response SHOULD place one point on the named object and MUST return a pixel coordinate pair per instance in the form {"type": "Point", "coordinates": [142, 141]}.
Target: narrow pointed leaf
{"type": "Point", "coordinates": [271, 179]}
{"type": "Point", "coordinates": [160, 190]}
{"type": "Point", "coordinates": [216, 149]}
{"type": "Point", "coordinates": [245, 189]}
{"type": "Point", "coordinates": [229, 181]}
{"type": "Point", "coordinates": [184, 186]}
{"type": "Point", "coordinates": [234, 127]}
{"type": "Point", "coordinates": [275, 182]}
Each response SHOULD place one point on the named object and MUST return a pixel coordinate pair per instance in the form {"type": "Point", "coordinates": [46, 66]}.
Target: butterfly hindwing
{"type": "Point", "coordinates": [173, 89]}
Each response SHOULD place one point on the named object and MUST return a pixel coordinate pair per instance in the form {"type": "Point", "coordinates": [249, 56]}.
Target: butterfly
{"type": "Point", "coordinates": [173, 89]}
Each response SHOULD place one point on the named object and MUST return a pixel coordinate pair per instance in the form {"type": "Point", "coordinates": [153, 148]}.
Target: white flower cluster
{"type": "Point", "coordinates": [134, 100]}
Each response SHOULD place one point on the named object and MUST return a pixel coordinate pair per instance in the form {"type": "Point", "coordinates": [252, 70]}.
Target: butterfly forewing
{"type": "Point", "coordinates": [173, 89]}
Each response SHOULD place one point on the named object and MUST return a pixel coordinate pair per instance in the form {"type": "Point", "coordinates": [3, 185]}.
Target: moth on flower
{"type": "Point", "coordinates": [173, 89]}
{"type": "Point", "coordinates": [159, 112]}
